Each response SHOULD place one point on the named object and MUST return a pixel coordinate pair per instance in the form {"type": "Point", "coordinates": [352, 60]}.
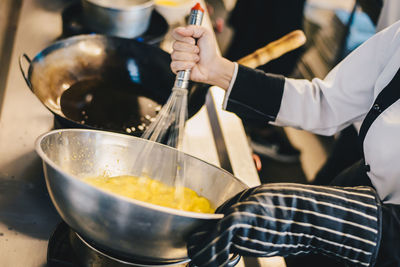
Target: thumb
{"type": "Point", "coordinates": [184, 31]}
{"type": "Point", "coordinates": [196, 31]}
{"type": "Point", "coordinates": [183, 34]}
{"type": "Point", "coordinates": [190, 31]}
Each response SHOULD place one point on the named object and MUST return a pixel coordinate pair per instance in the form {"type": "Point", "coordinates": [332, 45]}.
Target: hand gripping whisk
{"type": "Point", "coordinates": [169, 124]}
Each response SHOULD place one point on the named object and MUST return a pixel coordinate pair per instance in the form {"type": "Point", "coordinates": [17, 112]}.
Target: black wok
{"type": "Point", "coordinates": [108, 83]}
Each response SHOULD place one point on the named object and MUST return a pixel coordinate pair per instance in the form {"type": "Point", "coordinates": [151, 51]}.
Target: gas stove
{"type": "Point", "coordinates": [66, 248]}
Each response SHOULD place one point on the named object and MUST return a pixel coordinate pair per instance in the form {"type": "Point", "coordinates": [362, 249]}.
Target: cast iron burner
{"type": "Point", "coordinates": [68, 249]}
{"type": "Point", "coordinates": [72, 21]}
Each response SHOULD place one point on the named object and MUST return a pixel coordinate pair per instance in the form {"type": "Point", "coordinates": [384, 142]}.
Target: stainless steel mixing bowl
{"type": "Point", "coordinates": [126, 227]}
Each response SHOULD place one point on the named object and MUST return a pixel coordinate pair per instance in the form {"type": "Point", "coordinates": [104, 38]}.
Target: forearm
{"type": "Point", "coordinates": [254, 96]}
{"type": "Point", "coordinates": [320, 106]}
{"type": "Point", "coordinates": [292, 219]}
{"type": "Point", "coordinates": [221, 73]}
{"type": "Point", "coordinates": [339, 222]}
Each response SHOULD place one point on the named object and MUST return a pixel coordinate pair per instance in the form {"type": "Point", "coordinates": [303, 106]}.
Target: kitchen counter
{"type": "Point", "coordinates": [27, 216]}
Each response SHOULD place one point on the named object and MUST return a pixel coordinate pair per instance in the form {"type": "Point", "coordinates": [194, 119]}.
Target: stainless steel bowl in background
{"type": "Point", "coordinates": [122, 18]}
{"type": "Point", "coordinates": [126, 227]}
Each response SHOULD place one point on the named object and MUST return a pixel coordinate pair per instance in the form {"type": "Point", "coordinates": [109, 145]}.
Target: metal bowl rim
{"type": "Point", "coordinates": [149, 3]}
{"type": "Point", "coordinates": [65, 42]}
{"type": "Point", "coordinates": [162, 209]}
{"type": "Point", "coordinates": [76, 38]}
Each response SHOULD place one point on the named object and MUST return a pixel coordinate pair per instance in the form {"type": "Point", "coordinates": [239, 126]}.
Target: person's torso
{"type": "Point", "coordinates": [382, 141]}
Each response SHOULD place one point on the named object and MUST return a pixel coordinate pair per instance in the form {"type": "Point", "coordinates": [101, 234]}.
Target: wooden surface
{"type": "Point", "coordinates": [9, 11]}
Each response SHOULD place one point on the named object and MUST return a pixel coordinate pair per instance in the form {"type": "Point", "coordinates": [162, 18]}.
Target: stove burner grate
{"type": "Point", "coordinates": [68, 249]}
{"type": "Point", "coordinates": [59, 251]}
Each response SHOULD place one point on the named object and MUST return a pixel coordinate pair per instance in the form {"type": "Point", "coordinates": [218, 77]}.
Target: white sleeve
{"type": "Point", "coordinates": [345, 95]}
{"type": "Point", "coordinates": [232, 82]}
{"type": "Point", "coordinates": [390, 13]}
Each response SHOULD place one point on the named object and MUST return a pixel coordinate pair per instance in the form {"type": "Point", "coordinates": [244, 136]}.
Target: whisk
{"type": "Point", "coordinates": [169, 124]}
{"type": "Point", "coordinates": [171, 119]}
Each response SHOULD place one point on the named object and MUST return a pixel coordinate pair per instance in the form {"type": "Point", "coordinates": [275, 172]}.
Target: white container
{"type": "Point", "coordinates": [174, 11]}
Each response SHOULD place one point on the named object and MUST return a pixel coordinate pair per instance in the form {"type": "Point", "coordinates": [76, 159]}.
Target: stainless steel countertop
{"type": "Point", "coordinates": [27, 216]}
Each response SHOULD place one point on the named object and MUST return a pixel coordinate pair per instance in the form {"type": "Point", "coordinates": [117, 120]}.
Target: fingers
{"type": "Point", "coordinates": [186, 53]}
{"type": "Point", "coordinates": [185, 47]}
{"type": "Point", "coordinates": [238, 197]}
{"type": "Point", "coordinates": [183, 35]}
{"type": "Point", "coordinates": [188, 35]}
{"type": "Point", "coordinates": [184, 56]}
{"type": "Point", "coordinates": [183, 60]}
{"type": "Point", "coordinates": [210, 247]}
{"type": "Point", "coordinates": [182, 65]}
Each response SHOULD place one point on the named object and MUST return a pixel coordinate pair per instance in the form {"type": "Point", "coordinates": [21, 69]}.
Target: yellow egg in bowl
{"type": "Point", "coordinates": [153, 191]}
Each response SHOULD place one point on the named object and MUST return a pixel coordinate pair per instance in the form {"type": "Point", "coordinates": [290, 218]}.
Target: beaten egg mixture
{"type": "Point", "coordinates": [153, 191]}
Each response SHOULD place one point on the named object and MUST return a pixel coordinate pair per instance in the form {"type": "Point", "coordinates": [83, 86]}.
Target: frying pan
{"type": "Point", "coordinates": [107, 83]}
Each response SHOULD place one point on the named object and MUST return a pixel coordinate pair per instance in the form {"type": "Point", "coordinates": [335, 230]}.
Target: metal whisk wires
{"type": "Point", "coordinates": [170, 122]}
{"type": "Point", "coordinates": [169, 125]}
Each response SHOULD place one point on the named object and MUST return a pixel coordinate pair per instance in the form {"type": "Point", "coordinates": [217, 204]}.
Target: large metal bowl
{"type": "Point", "coordinates": [126, 227]}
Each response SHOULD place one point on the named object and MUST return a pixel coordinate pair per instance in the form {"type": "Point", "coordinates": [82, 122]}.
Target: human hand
{"type": "Point", "coordinates": [292, 219]}
{"type": "Point", "coordinates": [202, 58]}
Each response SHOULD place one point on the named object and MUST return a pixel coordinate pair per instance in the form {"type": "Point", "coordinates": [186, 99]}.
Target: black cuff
{"type": "Point", "coordinates": [256, 96]}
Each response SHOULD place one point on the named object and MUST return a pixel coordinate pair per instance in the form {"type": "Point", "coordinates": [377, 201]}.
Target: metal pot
{"type": "Point", "coordinates": [122, 18]}
{"type": "Point", "coordinates": [74, 24]}
{"type": "Point", "coordinates": [125, 227]}
{"type": "Point", "coordinates": [64, 77]}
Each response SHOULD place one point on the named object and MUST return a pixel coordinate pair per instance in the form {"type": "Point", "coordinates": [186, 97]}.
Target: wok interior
{"type": "Point", "coordinates": [84, 153]}
{"type": "Point", "coordinates": [116, 61]}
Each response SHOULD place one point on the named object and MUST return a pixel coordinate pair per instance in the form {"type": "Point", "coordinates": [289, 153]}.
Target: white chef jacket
{"type": "Point", "coordinates": [390, 13]}
{"type": "Point", "coordinates": [345, 96]}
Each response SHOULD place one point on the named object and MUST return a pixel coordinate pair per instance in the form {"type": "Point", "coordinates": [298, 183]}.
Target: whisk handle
{"type": "Point", "coordinates": [195, 18]}
{"type": "Point", "coordinates": [182, 79]}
